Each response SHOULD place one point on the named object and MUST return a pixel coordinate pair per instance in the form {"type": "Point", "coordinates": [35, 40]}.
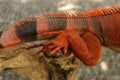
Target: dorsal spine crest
{"type": "Point", "coordinates": [72, 14]}
{"type": "Point", "coordinates": [91, 13]}
{"type": "Point", "coordinates": [101, 11]}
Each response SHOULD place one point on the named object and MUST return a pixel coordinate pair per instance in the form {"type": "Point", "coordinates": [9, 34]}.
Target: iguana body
{"type": "Point", "coordinates": [85, 33]}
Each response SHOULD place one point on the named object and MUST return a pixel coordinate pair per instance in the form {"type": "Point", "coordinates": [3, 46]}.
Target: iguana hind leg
{"type": "Point", "coordinates": [86, 47]}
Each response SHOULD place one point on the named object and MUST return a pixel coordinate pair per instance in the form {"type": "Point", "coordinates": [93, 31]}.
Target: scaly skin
{"type": "Point", "coordinates": [85, 33]}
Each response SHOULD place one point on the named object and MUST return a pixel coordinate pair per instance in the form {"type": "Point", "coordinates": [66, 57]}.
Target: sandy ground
{"type": "Point", "coordinates": [12, 11]}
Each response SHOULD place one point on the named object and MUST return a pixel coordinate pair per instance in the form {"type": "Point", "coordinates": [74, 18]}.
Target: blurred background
{"type": "Point", "coordinates": [13, 11]}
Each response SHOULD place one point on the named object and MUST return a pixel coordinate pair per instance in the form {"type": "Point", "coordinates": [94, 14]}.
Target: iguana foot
{"type": "Point", "coordinates": [61, 41]}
